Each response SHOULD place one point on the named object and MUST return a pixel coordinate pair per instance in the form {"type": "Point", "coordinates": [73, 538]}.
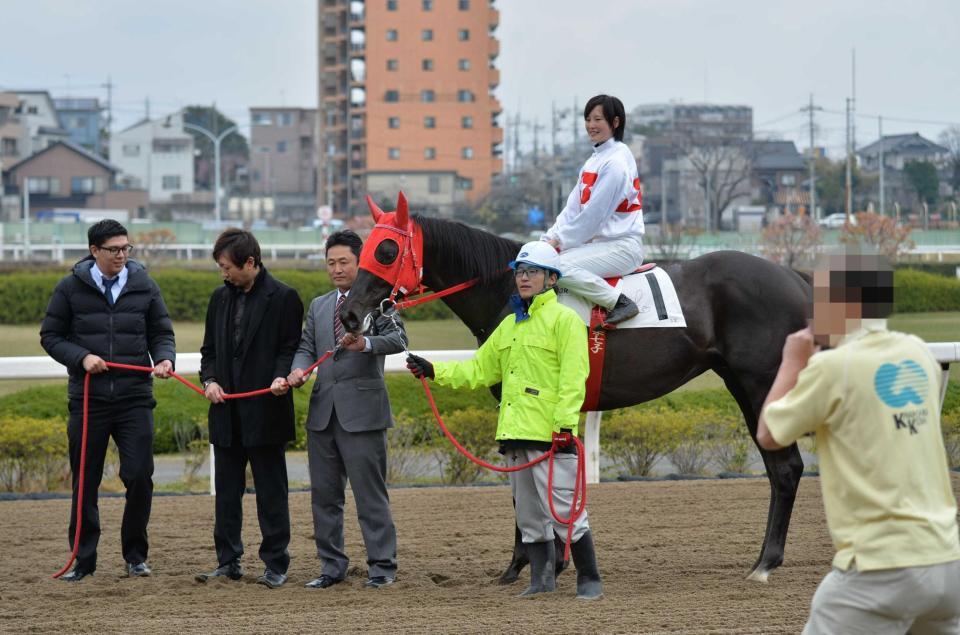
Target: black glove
{"type": "Point", "coordinates": [419, 366]}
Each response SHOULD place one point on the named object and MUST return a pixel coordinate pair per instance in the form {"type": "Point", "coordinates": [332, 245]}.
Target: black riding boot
{"type": "Point", "coordinates": [543, 577]}
{"type": "Point", "coordinates": [624, 309]}
{"type": "Point", "coordinates": [589, 586]}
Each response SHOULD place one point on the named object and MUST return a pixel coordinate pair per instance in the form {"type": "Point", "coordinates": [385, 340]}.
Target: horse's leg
{"type": "Point", "coordinates": [519, 559]}
{"type": "Point", "coordinates": [784, 468]}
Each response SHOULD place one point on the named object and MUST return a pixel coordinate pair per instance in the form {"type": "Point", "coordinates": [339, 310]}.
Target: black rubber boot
{"type": "Point", "coordinates": [624, 309]}
{"type": "Point", "coordinates": [589, 586]}
{"type": "Point", "coordinates": [543, 577]}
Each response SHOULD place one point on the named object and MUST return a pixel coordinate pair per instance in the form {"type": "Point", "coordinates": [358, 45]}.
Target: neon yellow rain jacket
{"type": "Point", "coordinates": [543, 365]}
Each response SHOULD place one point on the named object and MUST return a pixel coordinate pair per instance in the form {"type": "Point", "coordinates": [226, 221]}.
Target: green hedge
{"type": "Point", "coordinates": [919, 292]}
{"type": "Point", "coordinates": [24, 296]}
{"type": "Point", "coordinates": [179, 407]}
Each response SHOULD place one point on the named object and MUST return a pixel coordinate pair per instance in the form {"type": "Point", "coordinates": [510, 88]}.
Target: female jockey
{"type": "Point", "coordinates": [599, 233]}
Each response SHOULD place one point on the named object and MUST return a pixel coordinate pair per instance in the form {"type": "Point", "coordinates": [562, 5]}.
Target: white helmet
{"type": "Point", "coordinates": [539, 254]}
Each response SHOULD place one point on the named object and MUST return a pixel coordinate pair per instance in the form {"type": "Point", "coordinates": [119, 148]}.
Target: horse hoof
{"type": "Point", "coordinates": [759, 575]}
{"type": "Point", "coordinates": [509, 576]}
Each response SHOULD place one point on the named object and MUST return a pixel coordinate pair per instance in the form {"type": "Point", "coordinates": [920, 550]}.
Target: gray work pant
{"type": "Point", "coordinates": [921, 600]}
{"type": "Point", "coordinates": [530, 494]}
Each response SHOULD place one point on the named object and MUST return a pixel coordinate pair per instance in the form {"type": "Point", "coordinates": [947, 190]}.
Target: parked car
{"type": "Point", "coordinates": [836, 221]}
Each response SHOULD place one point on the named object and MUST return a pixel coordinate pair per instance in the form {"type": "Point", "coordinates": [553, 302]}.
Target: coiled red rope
{"type": "Point", "coordinates": [560, 440]}
{"type": "Point", "coordinates": [83, 436]}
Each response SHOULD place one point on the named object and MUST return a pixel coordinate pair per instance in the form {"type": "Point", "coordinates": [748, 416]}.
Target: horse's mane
{"type": "Point", "coordinates": [472, 252]}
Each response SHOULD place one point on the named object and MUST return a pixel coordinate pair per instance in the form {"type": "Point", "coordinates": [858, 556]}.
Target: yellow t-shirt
{"type": "Point", "coordinates": [874, 404]}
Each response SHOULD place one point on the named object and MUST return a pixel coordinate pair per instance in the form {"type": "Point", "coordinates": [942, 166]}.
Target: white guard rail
{"type": "Point", "coordinates": [188, 365]}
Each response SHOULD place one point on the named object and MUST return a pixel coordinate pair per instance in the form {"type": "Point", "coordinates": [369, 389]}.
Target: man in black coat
{"type": "Point", "coordinates": [109, 310]}
{"type": "Point", "coordinates": [252, 331]}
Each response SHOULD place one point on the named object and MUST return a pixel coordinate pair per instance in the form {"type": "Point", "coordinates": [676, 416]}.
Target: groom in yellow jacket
{"type": "Point", "coordinates": [539, 355]}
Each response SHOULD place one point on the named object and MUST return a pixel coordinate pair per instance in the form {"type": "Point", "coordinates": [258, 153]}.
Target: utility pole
{"type": "Point", "coordinates": [109, 126]}
{"type": "Point", "coordinates": [882, 192]}
{"type": "Point", "coordinates": [813, 157]}
{"type": "Point", "coordinates": [575, 120]}
{"type": "Point", "coordinates": [146, 102]}
{"type": "Point", "coordinates": [853, 100]}
{"type": "Point", "coordinates": [537, 126]}
{"type": "Point", "coordinates": [553, 128]}
{"type": "Point", "coordinates": [849, 177]}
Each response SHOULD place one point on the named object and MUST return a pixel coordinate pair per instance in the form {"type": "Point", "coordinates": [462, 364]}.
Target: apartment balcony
{"type": "Point", "coordinates": [494, 78]}
{"type": "Point", "coordinates": [334, 6]}
{"type": "Point", "coordinates": [494, 18]}
{"type": "Point", "coordinates": [494, 48]}
{"type": "Point", "coordinates": [495, 106]}
{"type": "Point", "coordinates": [497, 135]}
{"type": "Point", "coordinates": [356, 19]}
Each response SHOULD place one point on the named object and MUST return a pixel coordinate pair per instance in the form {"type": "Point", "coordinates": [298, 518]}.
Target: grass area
{"type": "Point", "coordinates": [452, 335]}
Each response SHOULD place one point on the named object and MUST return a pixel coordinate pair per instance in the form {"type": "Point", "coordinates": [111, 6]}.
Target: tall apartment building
{"type": "Point", "coordinates": [406, 102]}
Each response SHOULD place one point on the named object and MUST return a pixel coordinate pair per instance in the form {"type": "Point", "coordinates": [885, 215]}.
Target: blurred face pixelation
{"type": "Point", "coordinates": [847, 289]}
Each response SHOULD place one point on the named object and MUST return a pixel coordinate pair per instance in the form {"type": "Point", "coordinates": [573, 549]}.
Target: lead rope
{"type": "Point", "coordinates": [578, 504]}
{"type": "Point", "coordinates": [83, 434]}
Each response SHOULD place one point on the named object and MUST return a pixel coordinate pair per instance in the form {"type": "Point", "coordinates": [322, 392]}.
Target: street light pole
{"type": "Point", "coordinates": [216, 160]}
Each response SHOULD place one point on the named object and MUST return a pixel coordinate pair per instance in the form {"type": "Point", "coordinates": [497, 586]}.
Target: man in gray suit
{"type": "Point", "coordinates": [347, 424]}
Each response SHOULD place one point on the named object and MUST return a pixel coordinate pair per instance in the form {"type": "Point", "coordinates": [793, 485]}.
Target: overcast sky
{"type": "Point", "coordinates": [768, 54]}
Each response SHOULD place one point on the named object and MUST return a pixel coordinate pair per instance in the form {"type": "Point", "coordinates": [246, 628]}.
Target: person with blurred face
{"type": "Point", "coordinates": [109, 310]}
{"type": "Point", "coordinates": [872, 398]}
{"type": "Point", "coordinates": [250, 337]}
{"type": "Point", "coordinates": [539, 356]}
{"type": "Point", "coordinates": [347, 424]}
{"type": "Point", "coordinates": [599, 233]}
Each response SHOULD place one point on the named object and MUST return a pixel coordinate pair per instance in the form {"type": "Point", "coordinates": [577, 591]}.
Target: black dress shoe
{"type": "Point", "coordinates": [624, 309]}
{"type": "Point", "coordinates": [378, 582]}
{"type": "Point", "coordinates": [139, 570]}
{"type": "Point", "coordinates": [272, 579]}
{"type": "Point", "coordinates": [76, 575]}
{"type": "Point", "coordinates": [231, 570]}
{"type": "Point", "coordinates": [323, 582]}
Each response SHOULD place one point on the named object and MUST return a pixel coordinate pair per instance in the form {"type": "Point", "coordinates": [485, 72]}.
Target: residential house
{"type": "Point", "coordinates": [897, 151]}
{"type": "Point", "coordinates": [778, 176]}
{"type": "Point", "coordinates": [81, 118]}
{"type": "Point", "coordinates": [12, 131]}
{"type": "Point", "coordinates": [66, 176]}
{"type": "Point", "coordinates": [155, 155]}
{"type": "Point", "coordinates": [38, 115]}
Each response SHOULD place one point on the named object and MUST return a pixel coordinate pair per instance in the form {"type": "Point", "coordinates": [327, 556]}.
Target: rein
{"type": "Point", "coordinates": [83, 436]}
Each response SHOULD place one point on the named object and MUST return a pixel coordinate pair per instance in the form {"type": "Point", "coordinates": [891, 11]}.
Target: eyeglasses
{"type": "Point", "coordinates": [115, 251]}
{"type": "Point", "coordinates": [527, 272]}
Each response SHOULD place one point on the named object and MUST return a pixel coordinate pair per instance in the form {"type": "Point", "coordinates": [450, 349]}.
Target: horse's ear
{"type": "Point", "coordinates": [403, 214]}
{"type": "Point", "coordinates": [374, 209]}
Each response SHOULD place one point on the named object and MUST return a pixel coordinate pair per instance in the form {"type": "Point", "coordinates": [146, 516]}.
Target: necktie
{"type": "Point", "coordinates": [338, 331]}
{"type": "Point", "coordinates": [108, 289]}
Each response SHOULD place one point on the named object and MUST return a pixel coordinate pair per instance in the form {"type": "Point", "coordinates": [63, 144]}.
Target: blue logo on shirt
{"type": "Point", "coordinates": [899, 385]}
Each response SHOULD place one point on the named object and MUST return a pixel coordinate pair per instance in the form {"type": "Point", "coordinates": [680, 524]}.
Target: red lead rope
{"type": "Point", "coordinates": [83, 436]}
{"type": "Point", "coordinates": [560, 439]}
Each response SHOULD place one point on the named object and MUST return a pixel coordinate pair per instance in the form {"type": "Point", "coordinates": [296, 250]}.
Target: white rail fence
{"type": "Point", "coordinates": [188, 365]}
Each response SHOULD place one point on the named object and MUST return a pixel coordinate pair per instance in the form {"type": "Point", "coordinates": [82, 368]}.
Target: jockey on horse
{"type": "Point", "coordinates": [599, 233]}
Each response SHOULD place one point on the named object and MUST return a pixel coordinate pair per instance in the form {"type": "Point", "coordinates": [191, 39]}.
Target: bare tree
{"type": "Point", "coordinates": [723, 167]}
{"type": "Point", "coordinates": [950, 138]}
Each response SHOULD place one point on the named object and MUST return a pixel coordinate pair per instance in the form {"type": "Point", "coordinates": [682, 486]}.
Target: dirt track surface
{"type": "Point", "coordinates": [673, 555]}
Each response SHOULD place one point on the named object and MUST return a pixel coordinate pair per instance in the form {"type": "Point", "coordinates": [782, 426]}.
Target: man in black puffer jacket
{"type": "Point", "coordinates": [109, 310]}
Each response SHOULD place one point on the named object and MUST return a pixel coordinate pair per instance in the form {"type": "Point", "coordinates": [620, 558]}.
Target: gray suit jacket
{"type": "Point", "coordinates": [353, 383]}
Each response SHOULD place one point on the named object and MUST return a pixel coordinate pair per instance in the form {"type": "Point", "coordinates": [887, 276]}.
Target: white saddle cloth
{"type": "Point", "coordinates": [658, 302]}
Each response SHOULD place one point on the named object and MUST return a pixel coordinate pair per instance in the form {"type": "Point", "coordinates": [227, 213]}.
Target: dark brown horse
{"type": "Point", "coordinates": [739, 310]}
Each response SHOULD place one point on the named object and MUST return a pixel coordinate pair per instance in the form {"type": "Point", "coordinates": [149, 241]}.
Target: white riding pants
{"type": "Point", "coordinates": [585, 267]}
